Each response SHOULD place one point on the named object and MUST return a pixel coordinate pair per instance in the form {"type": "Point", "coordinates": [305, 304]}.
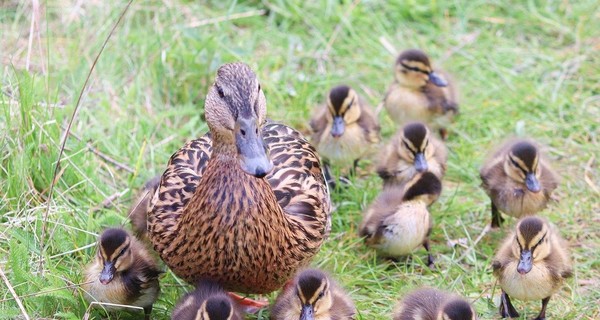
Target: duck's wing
{"type": "Point", "coordinates": [297, 178]}
{"type": "Point", "coordinates": [178, 183]}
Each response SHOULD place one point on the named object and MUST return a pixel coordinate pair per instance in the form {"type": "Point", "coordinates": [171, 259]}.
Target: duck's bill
{"type": "Point", "coordinates": [421, 162]}
{"type": "Point", "coordinates": [525, 263]}
{"type": "Point", "coordinates": [108, 272]}
{"type": "Point", "coordinates": [251, 149]}
{"type": "Point", "coordinates": [307, 312]}
{"type": "Point", "coordinates": [437, 79]}
{"type": "Point", "coordinates": [338, 126]}
{"type": "Point", "coordinates": [532, 183]}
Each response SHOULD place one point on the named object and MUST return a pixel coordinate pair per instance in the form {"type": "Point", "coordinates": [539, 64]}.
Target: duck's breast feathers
{"type": "Point", "coordinates": [296, 179]}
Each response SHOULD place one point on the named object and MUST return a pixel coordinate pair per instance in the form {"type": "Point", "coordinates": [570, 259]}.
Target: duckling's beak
{"type": "Point", "coordinates": [437, 79]}
{"type": "Point", "coordinates": [338, 127]}
{"type": "Point", "coordinates": [532, 182]}
{"type": "Point", "coordinates": [525, 264]}
{"type": "Point", "coordinates": [251, 148]}
{"type": "Point", "coordinates": [108, 272]}
{"type": "Point", "coordinates": [307, 312]}
{"type": "Point", "coordinates": [420, 162]}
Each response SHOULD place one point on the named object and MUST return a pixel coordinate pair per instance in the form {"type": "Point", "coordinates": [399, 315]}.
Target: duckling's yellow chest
{"type": "Point", "coordinates": [404, 230]}
{"type": "Point", "coordinates": [341, 151]}
{"type": "Point", "coordinates": [406, 104]}
{"type": "Point", "coordinates": [537, 284]}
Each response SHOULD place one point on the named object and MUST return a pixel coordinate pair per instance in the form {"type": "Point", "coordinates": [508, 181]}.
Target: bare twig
{"type": "Point", "coordinates": [70, 124]}
{"type": "Point", "coordinates": [481, 235]}
{"type": "Point", "coordinates": [586, 174]}
{"type": "Point", "coordinates": [110, 199]}
{"type": "Point", "coordinates": [76, 285]}
{"type": "Point", "coordinates": [108, 159]}
{"type": "Point", "coordinates": [235, 16]}
{"type": "Point", "coordinates": [388, 45]}
{"type": "Point", "coordinates": [338, 28]}
{"type": "Point", "coordinates": [14, 294]}
{"type": "Point", "coordinates": [35, 9]}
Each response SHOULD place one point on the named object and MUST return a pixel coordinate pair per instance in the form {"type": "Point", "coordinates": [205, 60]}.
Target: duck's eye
{"type": "Point", "coordinates": [220, 92]}
{"type": "Point", "coordinates": [243, 132]}
{"type": "Point", "coordinates": [321, 295]}
{"type": "Point", "coordinates": [259, 87]}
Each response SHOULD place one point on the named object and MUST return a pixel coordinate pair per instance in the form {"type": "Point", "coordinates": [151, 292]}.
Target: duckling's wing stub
{"type": "Point", "coordinates": [297, 179]}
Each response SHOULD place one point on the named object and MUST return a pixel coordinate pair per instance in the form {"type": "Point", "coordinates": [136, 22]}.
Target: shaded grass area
{"type": "Point", "coordinates": [528, 69]}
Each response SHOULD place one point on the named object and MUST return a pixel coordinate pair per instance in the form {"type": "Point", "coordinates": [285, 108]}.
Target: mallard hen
{"type": "Point", "coordinates": [433, 304]}
{"type": "Point", "coordinates": [247, 204]}
{"type": "Point", "coordinates": [518, 180]}
{"type": "Point", "coordinates": [123, 272]}
{"type": "Point", "coordinates": [418, 93]}
{"type": "Point", "coordinates": [531, 265]}
{"type": "Point", "coordinates": [313, 295]}
{"type": "Point", "coordinates": [411, 151]}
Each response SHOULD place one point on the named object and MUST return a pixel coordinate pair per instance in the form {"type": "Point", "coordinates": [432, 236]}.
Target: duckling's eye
{"type": "Point", "coordinates": [220, 92]}
{"type": "Point", "coordinates": [259, 87]}
{"type": "Point", "coordinates": [321, 295]}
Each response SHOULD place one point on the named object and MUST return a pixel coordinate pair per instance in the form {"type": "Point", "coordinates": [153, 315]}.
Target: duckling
{"type": "Point", "coordinates": [138, 213]}
{"type": "Point", "coordinates": [209, 302]}
{"type": "Point", "coordinates": [433, 304]}
{"type": "Point", "coordinates": [398, 220]}
{"type": "Point", "coordinates": [247, 204]}
{"type": "Point", "coordinates": [420, 94]}
{"type": "Point", "coordinates": [313, 295]}
{"type": "Point", "coordinates": [411, 151]}
{"type": "Point", "coordinates": [518, 180]}
{"type": "Point", "coordinates": [345, 129]}
{"type": "Point", "coordinates": [531, 265]}
{"type": "Point", "coordinates": [123, 272]}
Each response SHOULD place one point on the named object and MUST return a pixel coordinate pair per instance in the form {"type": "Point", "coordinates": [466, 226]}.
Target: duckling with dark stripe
{"type": "Point", "coordinates": [411, 151]}
{"type": "Point", "coordinates": [344, 129]}
{"type": "Point", "coordinates": [518, 180]}
{"type": "Point", "coordinates": [398, 221]}
{"type": "Point", "coordinates": [208, 302]}
{"type": "Point", "coordinates": [123, 272]}
{"type": "Point", "coordinates": [531, 264]}
{"type": "Point", "coordinates": [433, 304]}
{"type": "Point", "coordinates": [419, 93]}
{"type": "Point", "coordinates": [313, 296]}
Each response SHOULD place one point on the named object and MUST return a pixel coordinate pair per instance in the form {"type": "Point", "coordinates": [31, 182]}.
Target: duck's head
{"type": "Point", "coordinates": [414, 145]}
{"type": "Point", "coordinates": [531, 243]}
{"type": "Point", "coordinates": [235, 111]}
{"type": "Point", "coordinates": [216, 308]}
{"type": "Point", "coordinates": [343, 107]}
{"type": "Point", "coordinates": [521, 165]}
{"type": "Point", "coordinates": [114, 253]}
{"type": "Point", "coordinates": [425, 187]}
{"type": "Point", "coordinates": [414, 70]}
{"type": "Point", "coordinates": [457, 309]}
{"type": "Point", "coordinates": [314, 294]}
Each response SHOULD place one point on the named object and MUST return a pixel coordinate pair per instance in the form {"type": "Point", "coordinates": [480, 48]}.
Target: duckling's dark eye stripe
{"type": "Point", "coordinates": [122, 252]}
{"type": "Point", "coordinates": [409, 148]}
{"type": "Point", "coordinates": [517, 165]}
{"type": "Point", "coordinates": [538, 243]}
{"type": "Point", "coordinates": [519, 243]}
{"type": "Point", "coordinates": [413, 68]}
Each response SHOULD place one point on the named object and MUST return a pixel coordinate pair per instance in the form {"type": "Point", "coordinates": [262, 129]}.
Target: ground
{"type": "Point", "coordinates": [528, 68]}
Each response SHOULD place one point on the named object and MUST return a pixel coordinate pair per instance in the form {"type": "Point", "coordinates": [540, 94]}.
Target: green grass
{"type": "Point", "coordinates": [527, 68]}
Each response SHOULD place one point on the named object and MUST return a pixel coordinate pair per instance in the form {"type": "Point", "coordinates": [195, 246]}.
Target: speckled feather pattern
{"type": "Point", "coordinates": [250, 234]}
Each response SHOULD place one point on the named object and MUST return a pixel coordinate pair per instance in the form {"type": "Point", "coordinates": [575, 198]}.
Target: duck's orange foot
{"type": "Point", "coordinates": [249, 305]}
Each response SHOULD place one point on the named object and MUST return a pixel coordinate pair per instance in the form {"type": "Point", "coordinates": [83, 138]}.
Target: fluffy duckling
{"type": "Point", "coordinates": [531, 265]}
{"type": "Point", "coordinates": [420, 94]}
{"type": "Point", "coordinates": [433, 304]}
{"type": "Point", "coordinates": [345, 129]}
{"type": "Point", "coordinates": [313, 295]}
{"type": "Point", "coordinates": [398, 220]}
{"type": "Point", "coordinates": [411, 151]}
{"type": "Point", "coordinates": [123, 272]}
{"type": "Point", "coordinates": [138, 214]}
{"type": "Point", "coordinates": [518, 180]}
{"type": "Point", "coordinates": [209, 302]}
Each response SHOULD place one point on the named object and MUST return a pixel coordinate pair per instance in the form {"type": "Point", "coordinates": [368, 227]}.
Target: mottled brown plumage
{"type": "Point", "coordinates": [313, 295]}
{"type": "Point", "coordinates": [433, 304]}
{"type": "Point", "coordinates": [123, 272]}
{"type": "Point", "coordinates": [344, 129]}
{"type": "Point", "coordinates": [398, 221]}
{"type": "Point", "coordinates": [517, 179]}
{"type": "Point", "coordinates": [531, 264]}
{"type": "Point", "coordinates": [246, 204]}
{"type": "Point", "coordinates": [419, 93]}
{"type": "Point", "coordinates": [208, 302]}
{"type": "Point", "coordinates": [412, 150]}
